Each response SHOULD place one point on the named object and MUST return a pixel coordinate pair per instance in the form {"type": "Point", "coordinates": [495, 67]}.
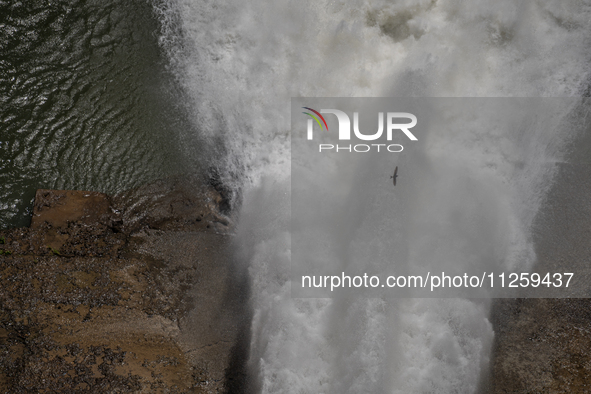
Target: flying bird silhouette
{"type": "Point", "coordinates": [395, 175]}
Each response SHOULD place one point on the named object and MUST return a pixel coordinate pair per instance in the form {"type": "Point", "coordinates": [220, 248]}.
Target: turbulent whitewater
{"type": "Point", "coordinates": [239, 64]}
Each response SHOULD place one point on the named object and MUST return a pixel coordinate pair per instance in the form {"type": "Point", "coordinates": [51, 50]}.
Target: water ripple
{"type": "Point", "coordinates": [81, 100]}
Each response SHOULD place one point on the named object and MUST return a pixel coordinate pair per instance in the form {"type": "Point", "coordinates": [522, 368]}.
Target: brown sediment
{"type": "Point", "coordinates": [543, 346]}
{"type": "Point", "coordinates": [131, 293]}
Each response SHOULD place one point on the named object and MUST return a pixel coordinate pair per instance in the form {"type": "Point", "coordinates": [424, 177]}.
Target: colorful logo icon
{"type": "Point", "coordinates": [315, 118]}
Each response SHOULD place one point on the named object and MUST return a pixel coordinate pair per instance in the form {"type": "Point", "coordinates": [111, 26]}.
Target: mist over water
{"type": "Point", "coordinates": [239, 64]}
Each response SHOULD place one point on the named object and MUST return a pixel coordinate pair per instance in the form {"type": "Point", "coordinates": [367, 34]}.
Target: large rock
{"type": "Point", "coordinates": [131, 293]}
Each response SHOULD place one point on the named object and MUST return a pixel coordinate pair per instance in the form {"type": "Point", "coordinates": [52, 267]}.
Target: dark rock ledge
{"type": "Point", "coordinates": [132, 293]}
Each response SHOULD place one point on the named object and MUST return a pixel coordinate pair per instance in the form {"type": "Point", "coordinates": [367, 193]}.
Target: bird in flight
{"type": "Point", "coordinates": [395, 175]}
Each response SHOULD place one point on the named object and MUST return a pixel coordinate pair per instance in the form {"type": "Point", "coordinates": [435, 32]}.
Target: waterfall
{"type": "Point", "coordinates": [239, 63]}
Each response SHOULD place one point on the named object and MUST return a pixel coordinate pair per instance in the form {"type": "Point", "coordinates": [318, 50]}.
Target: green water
{"type": "Point", "coordinates": [85, 100]}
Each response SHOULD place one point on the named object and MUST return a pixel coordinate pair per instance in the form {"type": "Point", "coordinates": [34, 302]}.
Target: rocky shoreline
{"type": "Point", "coordinates": [139, 292]}
{"type": "Point", "coordinates": [126, 293]}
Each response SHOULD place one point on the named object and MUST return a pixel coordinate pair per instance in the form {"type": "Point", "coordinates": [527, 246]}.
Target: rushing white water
{"type": "Point", "coordinates": [240, 62]}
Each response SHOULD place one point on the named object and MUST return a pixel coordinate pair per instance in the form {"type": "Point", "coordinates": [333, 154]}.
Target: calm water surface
{"type": "Point", "coordinates": [85, 100]}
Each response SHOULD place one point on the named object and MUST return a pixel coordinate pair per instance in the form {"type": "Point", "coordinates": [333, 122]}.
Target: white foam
{"type": "Point", "coordinates": [240, 62]}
